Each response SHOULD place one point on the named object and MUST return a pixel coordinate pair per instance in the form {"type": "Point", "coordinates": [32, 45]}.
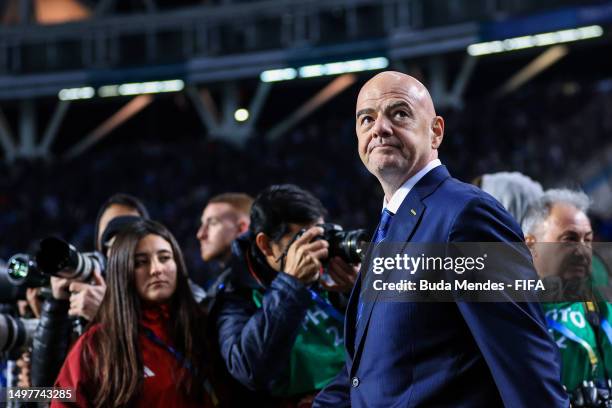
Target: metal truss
{"type": "Point", "coordinates": [224, 43]}
{"type": "Point", "coordinates": [229, 41]}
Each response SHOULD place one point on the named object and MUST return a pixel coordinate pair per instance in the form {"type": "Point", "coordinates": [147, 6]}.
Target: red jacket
{"type": "Point", "coordinates": [160, 369]}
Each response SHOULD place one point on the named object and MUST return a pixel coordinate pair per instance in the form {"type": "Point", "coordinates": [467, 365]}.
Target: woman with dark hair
{"type": "Point", "coordinates": [145, 346]}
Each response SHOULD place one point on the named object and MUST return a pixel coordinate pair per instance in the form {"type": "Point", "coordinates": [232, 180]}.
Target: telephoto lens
{"type": "Point", "coordinates": [22, 270]}
{"type": "Point", "coordinates": [59, 258]}
{"type": "Point", "coordinates": [15, 332]}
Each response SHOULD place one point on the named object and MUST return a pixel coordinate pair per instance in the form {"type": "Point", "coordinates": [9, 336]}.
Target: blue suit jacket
{"type": "Point", "coordinates": [457, 354]}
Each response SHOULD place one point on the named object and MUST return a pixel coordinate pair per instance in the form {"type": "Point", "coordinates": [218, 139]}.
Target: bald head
{"type": "Point", "coordinates": [390, 81]}
{"type": "Point", "coordinates": [397, 128]}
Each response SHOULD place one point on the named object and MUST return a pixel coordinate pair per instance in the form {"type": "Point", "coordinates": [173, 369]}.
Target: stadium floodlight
{"type": "Point", "coordinates": [134, 88]}
{"type": "Point", "coordinates": [241, 115]}
{"type": "Point", "coordinates": [332, 68]}
{"type": "Point", "coordinates": [310, 71]}
{"type": "Point", "coordinates": [71, 94]}
{"type": "Point", "coordinates": [275, 75]}
{"type": "Point", "coordinates": [536, 40]}
{"type": "Point", "coordinates": [140, 88]}
{"type": "Point", "coordinates": [344, 67]}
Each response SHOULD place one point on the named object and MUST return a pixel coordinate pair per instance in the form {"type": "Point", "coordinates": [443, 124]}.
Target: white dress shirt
{"type": "Point", "coordinates": [398, 197]}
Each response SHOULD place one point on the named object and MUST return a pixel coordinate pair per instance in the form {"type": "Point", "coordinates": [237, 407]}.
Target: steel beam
{"type": "Point", "coordinates": [130, 109]}
{"type": "Point", "coordinates": [331, 90]}
{"type": "Point", "coordinates": [52, 128]}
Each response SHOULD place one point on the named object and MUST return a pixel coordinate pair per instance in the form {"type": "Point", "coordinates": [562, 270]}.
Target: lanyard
{"type": "Point", "coordinates": [176, 354]}
{"type": "Point", "coordinates": [605, 325]}
{"type": "Point", "coordinates": [252, 270]}
{"type": "Point", "coordinates": [326, 306]}
{"type": "Point", "coordinates": [179, 357]}
{"type": "Point", "coordinates": [572, 336]}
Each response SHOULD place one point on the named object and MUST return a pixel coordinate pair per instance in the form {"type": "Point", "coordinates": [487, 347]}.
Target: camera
{"type": "Point", "coordinates": [59, 258]}
{"type": "Point", "coordinates": [348, 245]}
{"type": "Point", "coordinates": [592, 394]}
{"type": "Point", "coordinates": [22, 270]}
{"type": "Point", "coordinates": [15, 332]}
{"type": "Point", "coordinates": [55, 257]}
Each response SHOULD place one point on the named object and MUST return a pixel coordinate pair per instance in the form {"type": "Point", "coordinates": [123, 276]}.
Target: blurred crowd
{"type": "Point", "coordinates": [547, 132]}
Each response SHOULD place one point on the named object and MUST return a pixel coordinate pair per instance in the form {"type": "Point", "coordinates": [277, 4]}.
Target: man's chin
{"type": "Point", "coordinates": [385, 167]}
{"type": "Point", "coordinates": [577, 272]}
{"type": "Point", "coordinates": [206, 257]}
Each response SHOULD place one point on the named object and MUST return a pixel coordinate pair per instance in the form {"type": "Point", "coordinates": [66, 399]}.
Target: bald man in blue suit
{"type": "Point", "coordinates": [415, 354]}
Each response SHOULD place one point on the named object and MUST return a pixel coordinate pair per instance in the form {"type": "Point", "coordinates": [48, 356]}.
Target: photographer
{"type": "Point", "coordinates": [278, 330]}
{"type": "Point", "coordinates": [71, 298]}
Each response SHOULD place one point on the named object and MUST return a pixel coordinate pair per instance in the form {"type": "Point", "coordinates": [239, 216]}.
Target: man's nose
{"type": "Point", "coordinates": [201, 234]}
{"type": "Point", "coordinates": [382, 127]}
{"type": "Point", "coordinates": [583, 247]}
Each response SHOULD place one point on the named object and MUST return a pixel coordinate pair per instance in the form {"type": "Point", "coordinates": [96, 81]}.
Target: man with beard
{"type": "Point", "coordinates": [559, 235]}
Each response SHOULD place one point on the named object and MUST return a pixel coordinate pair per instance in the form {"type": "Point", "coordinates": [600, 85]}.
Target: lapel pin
{"type": "Point", "coordinates": [412, 211]}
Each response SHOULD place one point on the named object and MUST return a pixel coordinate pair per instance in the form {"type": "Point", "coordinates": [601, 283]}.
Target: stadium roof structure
{"type": "Point", "coordinates": [69, 50]}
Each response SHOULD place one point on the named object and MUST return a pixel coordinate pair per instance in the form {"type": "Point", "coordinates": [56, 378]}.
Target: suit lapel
{"type": "Point", "coordinates": [401, 230]}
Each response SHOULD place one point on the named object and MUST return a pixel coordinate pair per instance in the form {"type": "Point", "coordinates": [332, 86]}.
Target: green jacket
{"type": "Point", "coordinates": [584, 356]}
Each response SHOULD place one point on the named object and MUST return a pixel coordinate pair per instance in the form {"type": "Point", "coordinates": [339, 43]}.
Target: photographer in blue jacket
{"type": "Point", "coordinates": [279, 323]}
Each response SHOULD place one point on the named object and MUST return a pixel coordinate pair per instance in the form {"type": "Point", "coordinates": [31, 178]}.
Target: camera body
{"type": "Point", "coordinates": [592, 394]}
{"type": "Point", "coordinates": [348, 245]}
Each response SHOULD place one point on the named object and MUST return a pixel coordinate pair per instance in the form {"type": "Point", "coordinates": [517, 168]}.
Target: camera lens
{"type": "Point", "coordinates": [352, 245]}
{"type": "Point", "coordinates": [22, 270]}
{"type": "Point", "coordinates": [348, 245]}
{"type": "Point", "coordinates": [19, 267]}
{"type": "Point", "coordinates": [15, 332]}
{"type": "Point", "coordinates": [58, 258]}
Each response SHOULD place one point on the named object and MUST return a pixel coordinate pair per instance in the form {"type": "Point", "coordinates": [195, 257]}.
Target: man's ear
{"type": "Point", "coordinates": [530, 240]}
{"type": "Point", "coordinates": [437, 130]}
{"type": "Point", "coordinates": [263, 243]}
{"type": "Point", "coordinates": [243, 225]}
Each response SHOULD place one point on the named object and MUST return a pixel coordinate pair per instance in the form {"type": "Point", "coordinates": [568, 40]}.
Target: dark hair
{"type": "Point", "coordinates": [119, 199]}
{"type": "Point", "coordinates": [241, 202]}
{"type": "Point", "coordinates": [280, 205]}
{"type": "Point", "coordinates": [114, 360]}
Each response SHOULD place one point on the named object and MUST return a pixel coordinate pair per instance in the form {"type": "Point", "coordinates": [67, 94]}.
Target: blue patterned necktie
{"type": "Point", "coordinates": [383, 227]}
{"type": "Point", "coordinates": [380, 235]}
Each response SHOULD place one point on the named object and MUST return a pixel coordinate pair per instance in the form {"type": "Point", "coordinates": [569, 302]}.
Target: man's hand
{"type": "Point", "coordinates": [85, 299]}
{"type": "Point", "coordinates": [342, 274]}
{"type": "Point", "coordinates": [59, 288]}
{"type": "Point", "coordinates": [34, 301]}
{"type": "Point", "coordinates": [303, 260]}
